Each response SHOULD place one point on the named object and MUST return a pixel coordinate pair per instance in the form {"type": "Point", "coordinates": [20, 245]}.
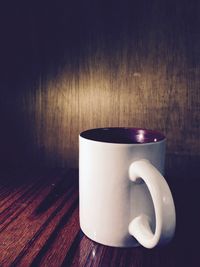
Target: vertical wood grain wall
{"type": "Point", "coordinates": [69, 66]}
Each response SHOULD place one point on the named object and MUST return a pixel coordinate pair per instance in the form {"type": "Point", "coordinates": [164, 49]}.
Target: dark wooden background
{"type": "Point", "coordinates": [66, 66]}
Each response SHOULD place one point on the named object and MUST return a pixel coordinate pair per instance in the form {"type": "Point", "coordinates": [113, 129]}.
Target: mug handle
{"type": "Point", "coordinates": [165, 216]}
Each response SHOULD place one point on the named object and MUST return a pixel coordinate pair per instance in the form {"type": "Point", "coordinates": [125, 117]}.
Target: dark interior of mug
{"type": "Point", "coordinates": [123, 135]}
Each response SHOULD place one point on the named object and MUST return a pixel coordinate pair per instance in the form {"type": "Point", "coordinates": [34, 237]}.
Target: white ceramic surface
{"type": "Point", "coordinates": [117, 208]}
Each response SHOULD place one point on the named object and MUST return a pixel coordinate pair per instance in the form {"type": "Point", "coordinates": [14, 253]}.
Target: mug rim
{"type": "Point", "coordinates": [138, 135]}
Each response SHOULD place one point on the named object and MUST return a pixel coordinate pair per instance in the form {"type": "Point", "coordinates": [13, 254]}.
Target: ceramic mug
{"type": "Point", "coordinates": [124, 199]}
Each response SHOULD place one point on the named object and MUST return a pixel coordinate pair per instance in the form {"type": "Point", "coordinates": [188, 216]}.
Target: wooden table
{"type": "Point", "coordinates": [39, 225]}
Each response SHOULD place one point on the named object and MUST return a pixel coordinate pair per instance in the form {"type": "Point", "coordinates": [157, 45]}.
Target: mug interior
{"type": "Point", "coordinates": [121, 135]}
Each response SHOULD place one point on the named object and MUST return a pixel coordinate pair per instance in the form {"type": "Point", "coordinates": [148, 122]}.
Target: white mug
{"type": "Point", "coordinates": [124, 198]}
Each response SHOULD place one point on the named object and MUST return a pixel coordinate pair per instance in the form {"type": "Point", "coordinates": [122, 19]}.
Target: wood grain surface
{"type": "Point", "coordinates": [69, 66]}
{"type": "Point", "coordinates": [39, 226]}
